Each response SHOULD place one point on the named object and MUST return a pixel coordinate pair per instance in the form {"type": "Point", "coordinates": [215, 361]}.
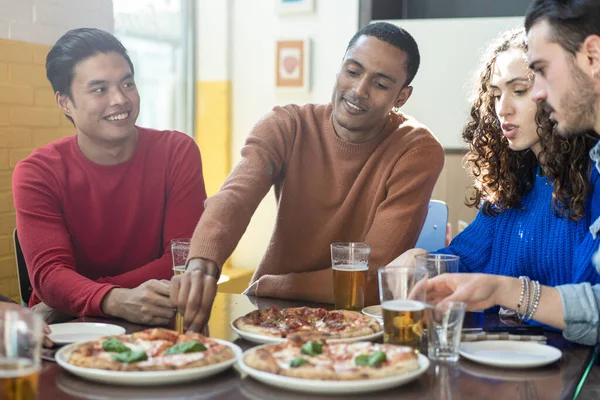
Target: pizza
{"type": "Point", "coordinates": [314, 358]}
{"type": "Point", "coordinates": [337, 324]}
{"type": "Point", "coordinates": [154, 349]}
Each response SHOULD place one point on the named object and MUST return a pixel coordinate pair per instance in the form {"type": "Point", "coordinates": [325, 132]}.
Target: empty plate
{"type": "Point", "coordinates": [510, 353]}
{"type": "Point", "coordinates": [72, 332]}
{"type": "Point", "coordinates": [373, 311]}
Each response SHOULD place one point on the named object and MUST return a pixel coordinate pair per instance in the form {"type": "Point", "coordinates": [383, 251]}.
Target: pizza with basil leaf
{"type": "Point", "coordinates": [155, 349]}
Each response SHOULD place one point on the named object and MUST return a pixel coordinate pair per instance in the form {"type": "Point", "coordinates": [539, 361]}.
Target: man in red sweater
{"type": "Point", "coordinates": [353, 170]}
{"type": "Point", "coordinates": [96, 211]}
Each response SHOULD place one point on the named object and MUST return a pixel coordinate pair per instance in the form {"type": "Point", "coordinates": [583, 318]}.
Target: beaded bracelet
{"type": "Point", "coordinates": [524, 297]}
{"type": "Point", "coordinates": [537, 292]}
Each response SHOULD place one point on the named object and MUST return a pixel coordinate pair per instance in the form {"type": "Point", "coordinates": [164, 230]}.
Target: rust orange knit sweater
{"type": "Point", "coordinates": [327, 190]}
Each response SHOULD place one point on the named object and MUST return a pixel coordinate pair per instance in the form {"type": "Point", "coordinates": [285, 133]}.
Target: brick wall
{"type": "Point", "coordinates": [29, 117]}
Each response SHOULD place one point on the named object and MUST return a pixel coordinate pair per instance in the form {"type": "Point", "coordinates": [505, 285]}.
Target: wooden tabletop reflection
{"type": "Point", "coordinates": [463, 380]}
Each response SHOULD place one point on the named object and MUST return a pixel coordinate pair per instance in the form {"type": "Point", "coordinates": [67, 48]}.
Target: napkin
{"type": "Point", "coordinates": [478, 336]}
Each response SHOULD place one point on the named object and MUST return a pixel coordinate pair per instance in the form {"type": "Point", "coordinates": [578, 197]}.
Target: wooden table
{"type": "Point", "coordinates": [464, 380]}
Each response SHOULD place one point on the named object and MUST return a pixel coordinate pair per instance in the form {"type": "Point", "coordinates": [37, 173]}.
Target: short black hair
{"type": "Point", "coordinates": [75, 46]}
{"type": "Point", "coordinates": [397, 37]}
{"type": "Point", "coordinates": [571, 20]}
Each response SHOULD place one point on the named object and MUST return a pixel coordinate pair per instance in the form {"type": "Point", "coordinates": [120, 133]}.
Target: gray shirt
{"type": "Point", "coordinates": [581, 302]}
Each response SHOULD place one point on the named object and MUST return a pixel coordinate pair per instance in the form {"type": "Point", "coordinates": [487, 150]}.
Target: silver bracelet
{"type": "Point", "coordinates": [537, 292]}
{"type": "Point", "coordinates": [524, 304]}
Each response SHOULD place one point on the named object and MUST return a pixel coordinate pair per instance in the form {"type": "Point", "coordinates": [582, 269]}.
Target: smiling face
{"type": "Point", "coordinates": [104, 102]}
{"type": "Point", "coordinates": [510, 84]}
{"type": "Point", "coordinates": [369, 84]}
{"type": "Point", "coordinates": [561, 86]}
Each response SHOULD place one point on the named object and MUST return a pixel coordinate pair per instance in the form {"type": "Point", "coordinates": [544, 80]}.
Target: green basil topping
{"type": "Point", "coordinates": [371, 360]}
{"type": "Point", "coordinates": [114, 346]}
{"type": "Point", "coordinates": [298, 361]}
{"type": "Point", "coordinates": [186, 347]}
{"type": "Point", "coordinates": [131, 356]}
{"type": "Point", "coordinates": [312, 348]}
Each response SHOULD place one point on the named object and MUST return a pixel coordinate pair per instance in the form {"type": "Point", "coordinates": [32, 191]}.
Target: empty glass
{"type": "Point", "coordinates": [437, 264]}
{"type": "Point", "coordinates": [444, 328]}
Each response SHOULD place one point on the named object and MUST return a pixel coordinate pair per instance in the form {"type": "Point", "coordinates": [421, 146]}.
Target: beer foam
{"type": "Point", "coordinates": [351, 268]}
{"type": "Point", "coordinates": [17, 368]}
{"type": "Point", "coordinates": [403, 305]}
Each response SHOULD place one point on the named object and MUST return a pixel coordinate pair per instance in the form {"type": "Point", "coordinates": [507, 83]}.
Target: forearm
{"type": "Point", "coordinates": [4, 299]}
{"type": "Point", "coordinates": [157, 269]}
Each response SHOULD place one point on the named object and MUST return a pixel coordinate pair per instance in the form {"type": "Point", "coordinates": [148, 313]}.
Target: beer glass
{"type": "Point", "coordinates": [437, 264]}
{"type": "Point", "coordinates": [180, 248]}
{"type": "Point", "coordinates": [21, 335]}
{"type": "Point", "coordinates": [350, 264]}
{"type": "Point", "coordinates": [402, 291]}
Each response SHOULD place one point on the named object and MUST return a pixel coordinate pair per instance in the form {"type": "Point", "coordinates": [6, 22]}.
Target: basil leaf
{"type": "Point", "coordinates": [312, 348]}
{"type": "Point", "coordinates": [114, 346]}
{"type": "Point", "coordinates": [376, 358]}
{"type": "Point", "coordinates": [362, 360]}
{"type": "Point", "coordinates": [131, 356]}
{"type": "Point", "coordinates": [297, 362]}
{"type": "Point", "coordinates": [186, 347]}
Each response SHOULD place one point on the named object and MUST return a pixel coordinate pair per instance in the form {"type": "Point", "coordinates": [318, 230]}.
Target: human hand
{"type": "Point", "coordinates": [147, 304]}
{"type": "Point", "coordinates": [50, 315]}
{"type": "Point", "coordinates": [477, 291]}
{"type": "Point", "coordinates": [194, 291]}
{"type": "Point", "coordinates": [14, 306]}
{"type": "Point", "coordinates": [407, 258]}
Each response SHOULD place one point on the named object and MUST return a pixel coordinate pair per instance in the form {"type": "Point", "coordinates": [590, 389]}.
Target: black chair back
{"type": "Point", "coordinates": [25, 288]}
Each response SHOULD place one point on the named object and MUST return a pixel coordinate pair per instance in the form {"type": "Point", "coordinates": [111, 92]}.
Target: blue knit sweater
{"type": "Point", "coordinates": [532, 240]}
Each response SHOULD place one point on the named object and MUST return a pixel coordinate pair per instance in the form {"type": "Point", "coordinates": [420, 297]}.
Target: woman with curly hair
{"type": "Point", "coordinates": [533, 188]}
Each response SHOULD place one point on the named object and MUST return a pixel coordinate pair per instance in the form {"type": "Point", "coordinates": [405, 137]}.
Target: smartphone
{"type": "Point", "coordinates": [515, 330]}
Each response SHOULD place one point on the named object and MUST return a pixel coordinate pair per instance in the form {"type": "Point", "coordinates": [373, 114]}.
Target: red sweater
{"type": "Point", "coordinates": [327, 190]}
{"type": "Point", "coordinates": [86, 228]}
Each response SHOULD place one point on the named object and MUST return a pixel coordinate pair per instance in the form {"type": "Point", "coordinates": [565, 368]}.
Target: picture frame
{"type": "Point", "coordinates": [292, 64]}
{"type": "Point", "coordinates": [295, 6]}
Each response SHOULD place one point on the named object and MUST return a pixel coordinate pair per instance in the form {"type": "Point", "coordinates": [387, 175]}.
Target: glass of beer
{"type": "Point", "coordinates": [402, 291]}
{"type": "Point", "coordinates": [180, 248]}
{"type": "Point", "coordinates": [21, 335]}
{"type": "Point", "coordinates": [437, 264]}
{"type": "Point", "coordinates": [350, 264]}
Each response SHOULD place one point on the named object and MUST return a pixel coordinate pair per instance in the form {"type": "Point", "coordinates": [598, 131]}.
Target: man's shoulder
{"type": "Point", "coordinates": [54, 153]}
{"type": "Point", "coordinates": [411, 132]}
{"type": "Point", "coordinates": [308, 111]}
{"type": "Point", "coordinates": [165, 137]}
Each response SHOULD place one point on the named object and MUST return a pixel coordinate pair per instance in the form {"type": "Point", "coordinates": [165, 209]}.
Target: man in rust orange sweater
{"type": "Point", "coordinates": [352, 170]}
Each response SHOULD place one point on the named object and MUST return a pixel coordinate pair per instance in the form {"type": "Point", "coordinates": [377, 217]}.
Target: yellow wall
{"type": "Point", "coordinates": [29, 118]}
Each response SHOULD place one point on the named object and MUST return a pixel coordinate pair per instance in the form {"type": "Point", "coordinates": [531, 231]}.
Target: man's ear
{"type": "Point", "coordinates": [64, 103]}
{"type": "Point", "coordinates": [591, 50]}
{"type": "Point", "coordinates": [403, 96]}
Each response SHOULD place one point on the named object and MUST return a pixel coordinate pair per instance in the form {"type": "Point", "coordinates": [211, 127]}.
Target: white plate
{"type": "Point", "coordinates": [510, 353]}
{"type": "Point", "coordinates": [146, 378]}
{"type": "Point", "coordinates": [264, 339]}
{"type": "Point", "coordinates": [333, 387]}
{"type": "Point", "coordinates": [72, 332]}
{"type": "Point", "coordinates": [373, 311]}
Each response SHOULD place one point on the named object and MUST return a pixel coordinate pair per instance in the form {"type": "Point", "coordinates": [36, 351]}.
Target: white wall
{"type": "Point", "coordinates": [256, 26]}
{"type": "Point", "coordinates": [450, 53]}
{"type": "Point", "coordinates": [44, 21]}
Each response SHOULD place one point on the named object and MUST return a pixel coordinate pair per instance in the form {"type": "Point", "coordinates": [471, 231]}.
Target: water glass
{"type": "Point", "coordinates": [437, 264]}
{"type": "Point", "coordinates": [21, 335]}
{"type": "Point", "coordinates": [444, 330]}
{"type": "Point", "coordinates": [402, 291]}
{"type": "Point", "coordinates": [180, 248]}
{"type": "Point", "coordinates": [350, 264]}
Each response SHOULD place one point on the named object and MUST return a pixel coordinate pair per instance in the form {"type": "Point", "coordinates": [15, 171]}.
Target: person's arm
{"type": "Point", "coordinates": [46, 243]}
{"type": "Point", "coordinates": [395, 229]}
{"type": "Point", "coordinates": [185, 199]}
{"type": "Point", "coordinates": [228, 214]}
{"type": "Point", "coordinates": [4, 299]}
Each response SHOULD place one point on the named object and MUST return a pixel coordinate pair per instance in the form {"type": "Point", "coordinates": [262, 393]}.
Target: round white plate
{"type": "Point", "coordinates": [333, 387]}
{"type": "Point", "coordinates": [373, 311]}
{"type": "Point", "coordinates": [72, 332]}
{"type": "Point", "coordinates": [146, 378]}
{"type": "Point", "coordinates": [264, 339]}
{"type": "Point", "coordinates": [510, 353]}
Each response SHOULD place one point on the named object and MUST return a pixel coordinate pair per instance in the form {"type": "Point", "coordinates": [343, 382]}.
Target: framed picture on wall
{"type": "Point", "coordinates": [295, 6]}
{"type": "Point", "coordinates": [292, 64]}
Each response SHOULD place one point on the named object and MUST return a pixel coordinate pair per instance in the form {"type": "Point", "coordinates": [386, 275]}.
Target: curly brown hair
{"type": "Point", "coordinates": [502, 176]}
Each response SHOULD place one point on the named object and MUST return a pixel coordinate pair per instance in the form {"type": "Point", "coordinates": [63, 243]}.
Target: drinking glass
{"type": "Point", "coordinates": [437, 264]}
{"type": "Point", "coordinates": [180, 248]}
{"type": "Point", "coordinates": [402, 291]}
{"type": "Point", "coordinates": [444, 330]}
{"type": "Point", "coordinates": [350, 264]}
{"type": "Point", "coordinates": [21, 335]}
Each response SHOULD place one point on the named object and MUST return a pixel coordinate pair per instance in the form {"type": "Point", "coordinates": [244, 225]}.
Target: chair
{"type": "Point", "coordinates": [25, 288]}
{"type": "Point", "coordinates": [433, 233]}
